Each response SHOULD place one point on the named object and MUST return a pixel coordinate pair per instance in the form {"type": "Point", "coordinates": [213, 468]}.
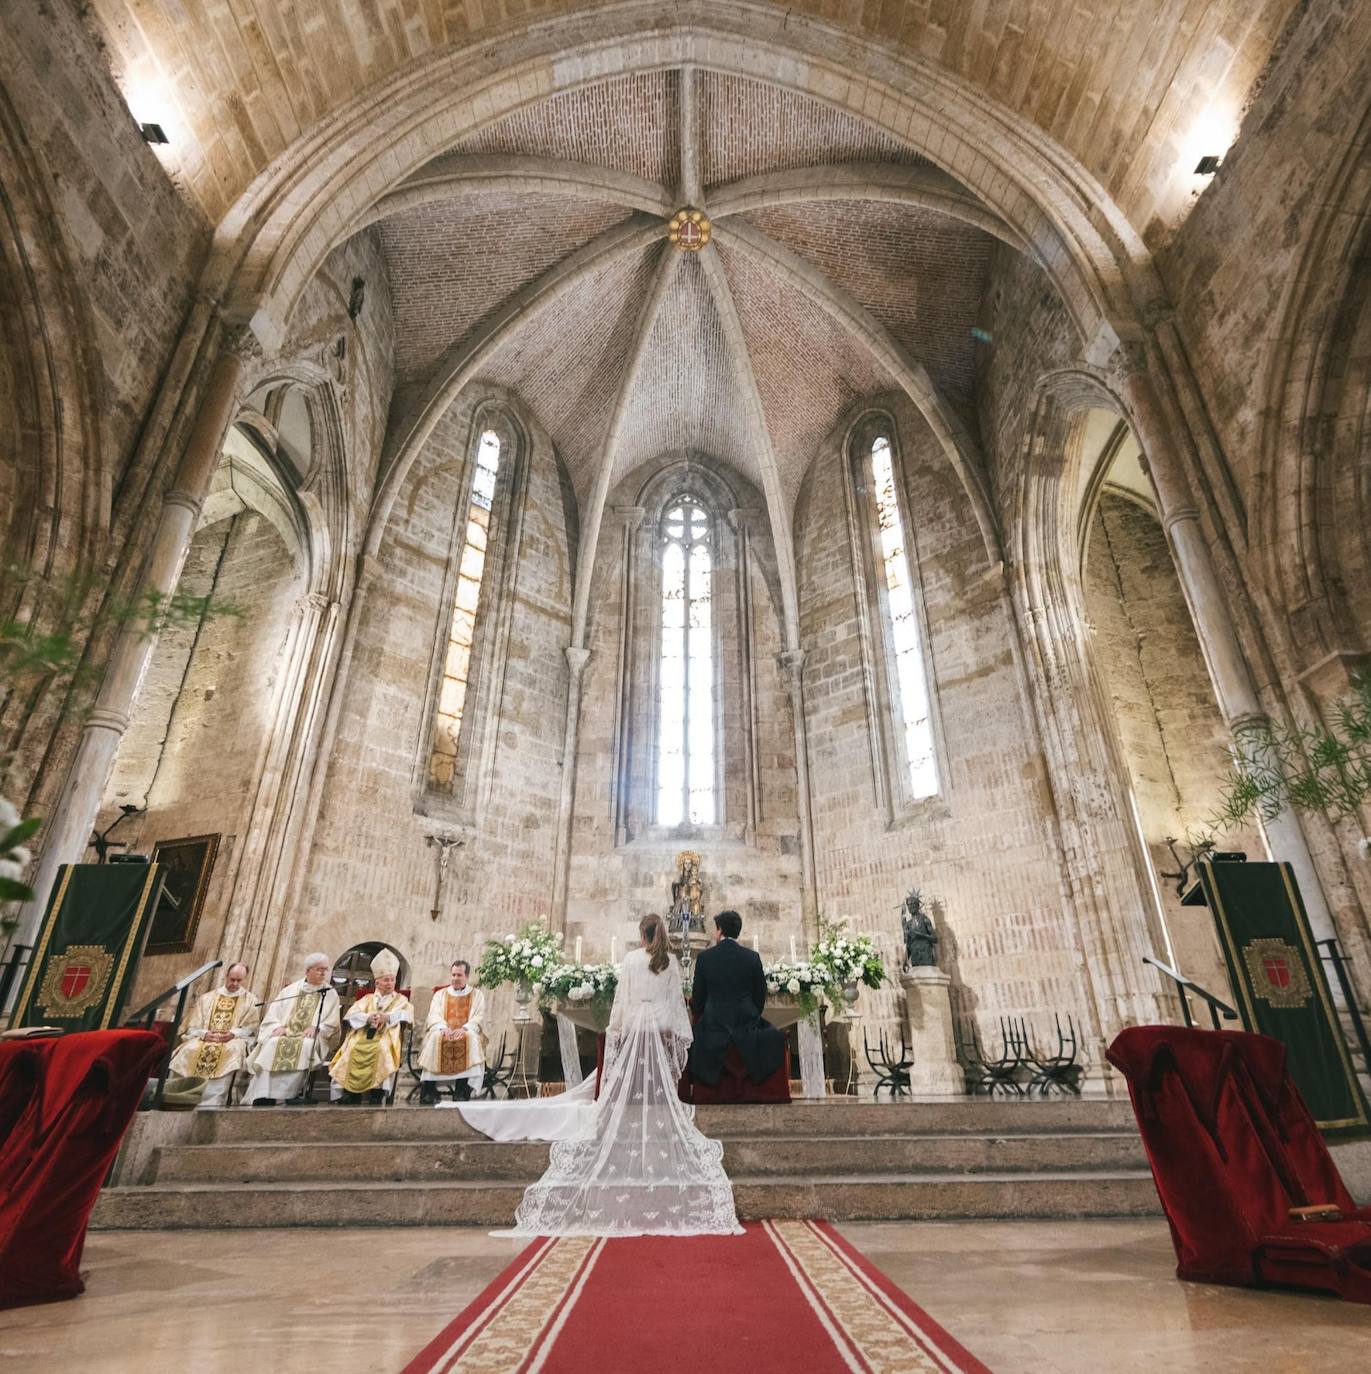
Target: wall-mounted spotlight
{"type": "Point", "coordinates": [153, 133]}
{"type": "Point", "coordinates": [1208, 165]}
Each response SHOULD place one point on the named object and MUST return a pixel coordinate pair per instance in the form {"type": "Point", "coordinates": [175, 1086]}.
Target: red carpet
{"type": "Point", "coordinates": [789, 1295]}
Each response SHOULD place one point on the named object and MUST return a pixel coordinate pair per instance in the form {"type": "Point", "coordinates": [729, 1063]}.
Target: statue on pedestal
{"type": "Point", "coordinates": [920, 934]}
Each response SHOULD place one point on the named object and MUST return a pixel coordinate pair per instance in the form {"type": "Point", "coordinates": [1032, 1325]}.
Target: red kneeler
{"type": "Point", "coordinates": [733, 1086]}
{"type": "Point", "coordinates": [64, 1107]}
{"type": "Point", "coordinates": [1233, 1148]}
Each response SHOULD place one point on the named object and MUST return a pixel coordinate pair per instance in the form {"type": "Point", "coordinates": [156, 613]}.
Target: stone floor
{"type": "Point", "coordinates": [1027, 1297]}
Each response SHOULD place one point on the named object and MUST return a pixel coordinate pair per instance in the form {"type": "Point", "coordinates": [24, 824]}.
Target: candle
{"type": "Point", "coordinates": [756, 948]}
{"type": "Point", "coordinates": [792, 949]}
{"type": "Point", "coordinates": [613, 948]}
{"type": "Point", "coordinates": [578, 949]}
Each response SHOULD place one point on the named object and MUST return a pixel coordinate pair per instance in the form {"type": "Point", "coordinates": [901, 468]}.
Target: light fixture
{"type": "Point", "coordinates": [153, 133]}
{"type": "Point", "coordinates": [1208, 165]}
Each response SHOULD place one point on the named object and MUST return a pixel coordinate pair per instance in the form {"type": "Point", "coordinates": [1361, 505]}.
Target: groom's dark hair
{"type": "Point", "coordinates": [729, 924]}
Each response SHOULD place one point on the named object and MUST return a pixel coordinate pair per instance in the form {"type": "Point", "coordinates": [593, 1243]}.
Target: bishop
{"type": "Point", "coordinates": [370, 1055]}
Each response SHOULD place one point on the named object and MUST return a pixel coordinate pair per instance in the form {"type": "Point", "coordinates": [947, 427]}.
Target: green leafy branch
{"type": "Point", "coordinates": [1323, 768]}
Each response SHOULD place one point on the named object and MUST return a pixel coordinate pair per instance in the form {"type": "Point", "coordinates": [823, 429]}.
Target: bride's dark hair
{"type": "Point", "coordinates": [652, 929]}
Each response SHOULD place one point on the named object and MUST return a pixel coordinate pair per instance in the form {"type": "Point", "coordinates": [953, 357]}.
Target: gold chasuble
{"type": "Point", "coordinates": [453, 1054]}
{"type": "Point", "coordinates": [233, 1013]}
{"type": "Point", "coordinates": [370, 1054]}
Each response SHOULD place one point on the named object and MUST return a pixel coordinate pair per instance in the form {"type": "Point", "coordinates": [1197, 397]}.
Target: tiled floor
{"type": "Point", "coordinates": [1026, 1297]}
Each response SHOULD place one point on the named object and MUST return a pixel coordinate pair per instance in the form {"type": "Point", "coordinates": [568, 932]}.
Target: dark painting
{"type": "Point", "coordinates": [186, 866]}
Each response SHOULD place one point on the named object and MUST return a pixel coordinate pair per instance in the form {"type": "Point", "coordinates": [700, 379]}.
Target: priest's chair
{"type": "Point", "coordinates": [1239, 1164]}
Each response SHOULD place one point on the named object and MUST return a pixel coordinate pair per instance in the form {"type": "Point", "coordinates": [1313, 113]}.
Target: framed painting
{"type": "Point", "coordinates": [186, 865]}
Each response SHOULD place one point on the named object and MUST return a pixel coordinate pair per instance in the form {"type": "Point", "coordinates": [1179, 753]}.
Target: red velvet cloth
{"type": "Point", "coordinates": [78, 1095]}
{"type": "Point", "coordinates": [1232, 1149]}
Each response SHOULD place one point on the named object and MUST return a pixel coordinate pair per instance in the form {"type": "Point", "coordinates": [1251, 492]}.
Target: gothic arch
{"type": "Point", "coordinates": [1312, 493]}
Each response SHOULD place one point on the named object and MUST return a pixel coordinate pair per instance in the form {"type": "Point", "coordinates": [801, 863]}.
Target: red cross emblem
{"type": "Point", "coordinates": [691, 237]}
{"type": "Point", "coordinates": [75, 979]}
{"type": "Point", "coordinates": [1277, 970]}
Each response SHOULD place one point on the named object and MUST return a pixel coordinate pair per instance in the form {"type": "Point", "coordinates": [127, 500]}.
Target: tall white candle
{"type": "Point", "coordinates": [792, 949]}
{"type": "Point", "coordinates": [613, 948]}
{"type": "Point", "coordinates": [578, 949]}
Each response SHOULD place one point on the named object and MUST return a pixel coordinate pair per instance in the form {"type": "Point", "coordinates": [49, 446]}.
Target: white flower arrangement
{"type": "Point", "coordinates": [527, 957]}
{"type": "Point", "coordinates": [581, 983]}
{"type": "Point", "coordinates": [848, 958]}
{"type": "Point", "coordinates": [801, 979]}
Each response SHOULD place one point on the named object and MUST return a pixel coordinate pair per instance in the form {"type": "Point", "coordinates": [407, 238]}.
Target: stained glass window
{"type": "Point", "coordinates": [452, 690]}
{"type": "Point", "coordinates": [685, 739]}
{"type": "Point", "coordinates": [911, 683]}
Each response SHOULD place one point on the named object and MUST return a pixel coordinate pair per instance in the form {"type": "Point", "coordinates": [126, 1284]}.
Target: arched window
{"type": "Point", "coordinates": [687, 778]}
{"type": "Point", "coordinates": [910, 684]}
{"type": "Point", "coordinates": [466, 605]}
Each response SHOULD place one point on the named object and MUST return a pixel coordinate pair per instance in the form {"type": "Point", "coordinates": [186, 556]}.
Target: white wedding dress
{"type": "Point", "coordinates": [637, 1165]}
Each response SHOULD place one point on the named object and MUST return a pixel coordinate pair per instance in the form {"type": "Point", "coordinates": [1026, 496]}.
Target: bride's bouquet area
{"type": "Point", "coordinates": [528, 957]}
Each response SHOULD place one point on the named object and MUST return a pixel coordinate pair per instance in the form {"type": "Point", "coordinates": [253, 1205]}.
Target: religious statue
{"type": "Point", "coordinates": [687, 892]}
{"type": "Point", "coordinates": [920, 934]}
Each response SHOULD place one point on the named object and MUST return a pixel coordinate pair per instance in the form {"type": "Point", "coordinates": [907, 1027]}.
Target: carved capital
{"type": "Point", "coordinates": [313, 602]}
{"type": "Point", "coordinates": [178, 497]}
{"type": "Point", "coordinates": [1179, 517]}
{"type": "Point", "coordinates": [792, 663]}
{"type": "Point", "coordinates": [576, 660]}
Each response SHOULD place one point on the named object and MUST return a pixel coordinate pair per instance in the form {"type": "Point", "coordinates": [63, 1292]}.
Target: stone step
{"type": "Point", "coordinates": [744, 1157]}
{"type": "Point", "coordinates": [846, 1197]}
{"type": "Point", "coordinates": [846, 1118]}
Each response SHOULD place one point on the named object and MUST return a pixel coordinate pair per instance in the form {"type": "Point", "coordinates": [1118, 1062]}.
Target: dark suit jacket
{"type": "Point", "coordinates": [728, 995]}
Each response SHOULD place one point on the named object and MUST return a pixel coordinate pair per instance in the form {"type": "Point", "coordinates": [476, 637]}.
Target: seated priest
{"type": "Point", "coordinates": [454, 1044]}
{"type": "Point", "coordinates": [298, 1031]}
{"type": "Point", "coordinates": [369, 1058]}
{"type": "Point", "coordinates": [215, 1039]}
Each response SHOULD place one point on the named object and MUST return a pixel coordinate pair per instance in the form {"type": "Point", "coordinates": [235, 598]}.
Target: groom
{"type": "Point", "coordinates": [728, 995]}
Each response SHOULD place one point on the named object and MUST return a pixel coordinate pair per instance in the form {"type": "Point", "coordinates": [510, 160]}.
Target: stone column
{"type": "Point", "coordinates": [67, 829]}
{"type": "Point", "coordinates": [793, 662]}
{"type": "Point", "coordinates": [1212, 617]}
{"type": "Point", "coordinates": [576, 659]}
{"type": "Point", "coordinates": [936, 1071]}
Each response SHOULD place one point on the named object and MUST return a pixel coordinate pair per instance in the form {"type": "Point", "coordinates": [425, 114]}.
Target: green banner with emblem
{"type": "Point", "coordinates": [89, 945]}
{"type": "Point", "coordinates": [1277, 976]}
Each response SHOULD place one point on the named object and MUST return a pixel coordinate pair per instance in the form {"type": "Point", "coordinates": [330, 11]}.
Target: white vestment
{"type": "Point", "coordinates": [637, 1166]}
{"type": "Point", "coordinates": [233, 1013]}
{"type": "Point", "coordinates": [445, 1010]}
{"type": "Point", "coordinates": [281, 1063]}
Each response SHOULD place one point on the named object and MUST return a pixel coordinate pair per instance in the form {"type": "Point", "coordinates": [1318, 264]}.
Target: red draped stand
{"type": "Point", "coordinates": [1233, 1150]}
{"type": "Point", "coordinates": [64, 1107]}
{"type": "Point", "coordinates": [733, 1086]}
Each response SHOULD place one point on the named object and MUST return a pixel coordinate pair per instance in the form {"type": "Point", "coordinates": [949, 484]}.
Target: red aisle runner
{"type": "Point", "coordinates": [789, 1295]}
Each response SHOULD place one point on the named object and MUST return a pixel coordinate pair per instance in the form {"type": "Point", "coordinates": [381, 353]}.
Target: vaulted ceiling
{"type": "Point", "coordinates": [818, 219]}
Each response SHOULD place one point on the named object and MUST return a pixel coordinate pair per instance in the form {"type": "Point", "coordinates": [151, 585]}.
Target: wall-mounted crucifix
{"type": "Point", "coordinates": [444, 842]}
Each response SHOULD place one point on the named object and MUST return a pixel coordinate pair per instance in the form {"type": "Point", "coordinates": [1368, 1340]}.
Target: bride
{"type": "Point", "coordinates": [637, 1166]}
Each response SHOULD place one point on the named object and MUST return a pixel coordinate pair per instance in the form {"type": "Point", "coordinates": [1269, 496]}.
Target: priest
{"type": "Point", "coordinates": [298, 1031]}
{"type": "Point", "coordinates": [214, 1042]}
{"type": "Point", "coordinates": [454, 1044]}
{"type": "Point", "coordinates": [370, 1056]}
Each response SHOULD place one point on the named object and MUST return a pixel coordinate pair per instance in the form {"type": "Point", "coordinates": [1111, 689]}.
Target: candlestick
{"type": "Point", "coordinates": [578, 949]}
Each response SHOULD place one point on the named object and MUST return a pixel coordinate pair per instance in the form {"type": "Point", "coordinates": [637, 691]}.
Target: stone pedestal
{"type": "Point", "coordinates": [932, 1044]}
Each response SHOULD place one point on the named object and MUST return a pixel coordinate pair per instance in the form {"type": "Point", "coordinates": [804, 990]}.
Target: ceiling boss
{"type": "Point", "coordinates": [689, 230]}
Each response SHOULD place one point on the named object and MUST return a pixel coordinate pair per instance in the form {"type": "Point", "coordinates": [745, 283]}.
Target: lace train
{"type": "Point", "coordinates": [640, 1167]}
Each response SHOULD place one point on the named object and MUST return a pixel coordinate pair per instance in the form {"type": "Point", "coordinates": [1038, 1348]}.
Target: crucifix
{"type": "Point", "coordinates": [445, 843]}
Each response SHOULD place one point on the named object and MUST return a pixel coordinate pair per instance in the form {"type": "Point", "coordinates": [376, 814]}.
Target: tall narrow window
{"type": "Point", "coordinates": [911, 683]}
{"type": "Point", "coordinates": [685, 741]}
{"type": "Point", "coordinates": [452, 690]}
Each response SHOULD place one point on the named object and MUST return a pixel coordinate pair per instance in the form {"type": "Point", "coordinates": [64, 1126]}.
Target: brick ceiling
{"type": "Point", "coordinates": [453, 261]}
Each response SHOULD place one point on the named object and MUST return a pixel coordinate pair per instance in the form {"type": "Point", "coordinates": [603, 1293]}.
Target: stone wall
{"type": "Point", "coordinates": [192, 751]}
{"type": "Point", "coordinates": [1168, 720]}
{"type": "Point", "coordinates": [371, 873]}
{"type": "Point", "coordinates": [981, 851]}
{"type": "Point", "coordinates": [616, 878]}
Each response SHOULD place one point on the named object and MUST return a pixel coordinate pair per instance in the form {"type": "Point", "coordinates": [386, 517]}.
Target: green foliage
{"type": "Point", "coordinates": [1322, 768]}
